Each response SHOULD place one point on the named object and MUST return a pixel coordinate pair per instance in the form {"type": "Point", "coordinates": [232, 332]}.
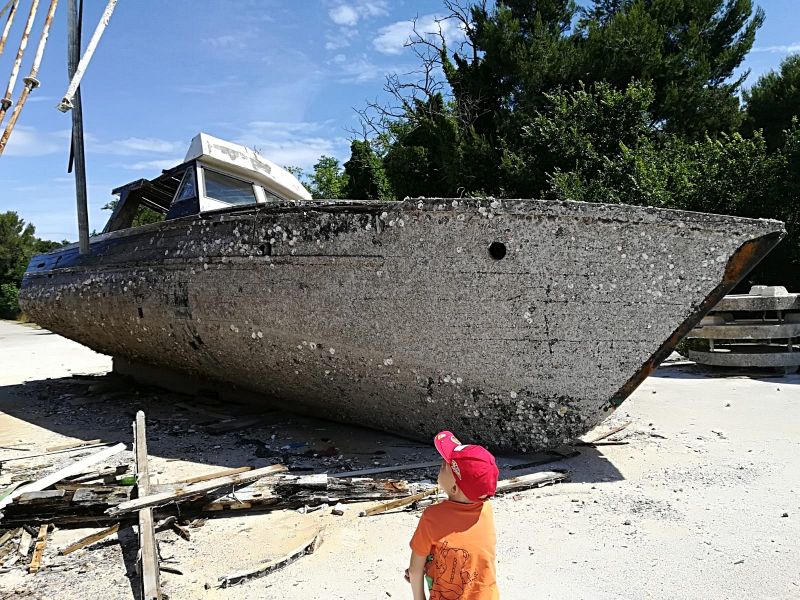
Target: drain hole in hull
{"type": "Point", "coordinates": [497, 250]}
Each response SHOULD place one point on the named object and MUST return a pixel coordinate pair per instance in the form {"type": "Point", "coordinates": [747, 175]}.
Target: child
{"type": "Point", "coordinates": [454, 544]}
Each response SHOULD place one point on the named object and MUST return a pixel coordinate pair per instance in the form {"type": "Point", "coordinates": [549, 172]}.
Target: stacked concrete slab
{"type": "Point", "coordinates": [759, 329]}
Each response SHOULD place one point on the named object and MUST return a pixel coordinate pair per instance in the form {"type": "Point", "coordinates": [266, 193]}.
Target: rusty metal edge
{"type": "Point", "coordinates": [746, 257]}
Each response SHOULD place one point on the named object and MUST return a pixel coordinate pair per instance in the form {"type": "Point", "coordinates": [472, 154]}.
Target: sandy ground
{"type": "Point", "coordinates": [701, 502]}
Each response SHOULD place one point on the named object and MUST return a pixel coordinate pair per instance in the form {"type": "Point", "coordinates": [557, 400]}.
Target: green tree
{"type": "Point", "coordinates": [18, 244]}
{"type": "Point", "coordinates": [328, 179]}
{"type": "Point", "coordinates": [366, 178]}
{"type": "Point", "coordinates": [144, 215]}
{"type": "Point", "coordinates": [687, 50]}
{"type": "Point", "coordinates": [773, 102]}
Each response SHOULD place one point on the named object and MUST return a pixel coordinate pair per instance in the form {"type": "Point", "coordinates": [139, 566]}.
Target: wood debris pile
{"type": "Point", "coordinates": [86, 494]}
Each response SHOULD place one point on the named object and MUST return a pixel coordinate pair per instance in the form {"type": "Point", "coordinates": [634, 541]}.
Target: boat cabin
{"type": "Point", "coordinates": [215, 175]}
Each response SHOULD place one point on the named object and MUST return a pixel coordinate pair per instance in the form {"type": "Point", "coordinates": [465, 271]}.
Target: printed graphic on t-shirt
{"type": "Point", "coordinates": [449, 572]}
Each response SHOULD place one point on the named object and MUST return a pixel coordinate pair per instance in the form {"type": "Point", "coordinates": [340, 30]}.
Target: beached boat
{"type": "Point", "coordinates": [520, 324]}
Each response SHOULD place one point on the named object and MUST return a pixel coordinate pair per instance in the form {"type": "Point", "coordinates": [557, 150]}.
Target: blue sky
{"type": "Point", "coordinates": [283, 76]}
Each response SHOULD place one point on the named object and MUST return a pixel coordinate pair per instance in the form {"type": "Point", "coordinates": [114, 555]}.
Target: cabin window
{"type": "Point", "coordinates": [272, 196]}
{"type": "Point", "coordinates": [188, 187]}
{"type": "Point", "coordinates": [229, 190]}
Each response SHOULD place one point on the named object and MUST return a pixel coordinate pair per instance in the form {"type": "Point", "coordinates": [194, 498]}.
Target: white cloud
{"type": "Point", "coordinates": [788, 49]}
{"type": "Point", "coordinates": [28, 141]}
{"type": "Point", "coordinates": [136, 146]}
{"type": "Point", "coordinates": [154, 165]}
{"type": "Point", "coordinates": [344, 15]}
{"type": "Point", "coordinates": [349, 14]}
{"type": "Point", "coordinates": [297, 144]}
{"type": "Point", "coordinates": [359, 70]}
{"type": "Point", "coordinates": [393, 38]}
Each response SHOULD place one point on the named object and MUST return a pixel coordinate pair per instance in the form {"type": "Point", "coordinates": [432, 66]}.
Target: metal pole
{"type": "Point", "coordinates": [31, 83]}
{"type": "Point", "coordinates": [77, 74]}
{"type": "Point", "coordinates": [5, 102]}
{"type": "Point", "coordinates": [73, 54]}
{"type": "Point", "coordinates": [4, 38]}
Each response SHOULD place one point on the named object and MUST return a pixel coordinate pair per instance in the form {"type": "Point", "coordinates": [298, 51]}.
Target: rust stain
{"type": "Point", "coordinates": [740, 264]}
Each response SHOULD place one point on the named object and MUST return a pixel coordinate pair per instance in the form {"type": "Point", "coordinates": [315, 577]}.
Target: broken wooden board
{"type": "Point", "coordinates": [308, 547]}
{"type": "Point", "coordinates": [173, 485]}
{"type": "Point", "coordinates": [607, 434]}
{"type": "Point", "coordinates": [194, 489]}
{"type": "Point", "coordinates": [90, 539]}
{"type": "Point", "coordinates": [533, 480]}
{"type": "Point", "coordinates": [76, 467]}
{"type": "Point", "coordinates": [36, 561]}
{"type": "Point", "coordinates": [377, 470]}
{"type": "Point", "coordinates": [382, 508]}
{"type": "Point", "coordinates": [148, 547]}
{"type": "Point", "coordinates": [80, 448]}
{"type": "Point", "coordinates": [74, 506]}
{"type": "Point", "coordinates": [289, 492]}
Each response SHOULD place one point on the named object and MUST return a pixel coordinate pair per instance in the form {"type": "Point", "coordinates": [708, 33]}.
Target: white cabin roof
{"type": "Point", "coordinates": [247, 163]}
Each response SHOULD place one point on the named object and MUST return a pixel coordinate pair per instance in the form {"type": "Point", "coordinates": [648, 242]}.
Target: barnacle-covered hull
{"type": "Point", "coordinates": [518, 324]}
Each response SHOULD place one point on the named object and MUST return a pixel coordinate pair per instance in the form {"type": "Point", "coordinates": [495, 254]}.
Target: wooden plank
{"type": "Point", "coordinates": [205, 477]}
{"type": "Point", "coordinates": [151, 586]}
{"type": "Point", "coordinates": [609, 433]}
{"type": "Point", "coordinates": [376, 470]}
{"type": "Point", "coordinates": [381, 508]}
{"type": "Point", "coordinates": [308, 547]}
{"type": "Point", "coordinates": [36, 561]}
{"type": "Point", "coordinates": [534, 480]}
{"type": "Point", "coordinates": [24, 544]}
{"type": "Point", "coordinates": [76, 467]}
{"type": "Point", "coordinates": [43, 496]}
{"type": "Point", "coordinates": [67, 450]}
{"type": "Point", "coordinates": [90, 539]}
{"type": "Point", "coordinates": [78, 444]}
{"type": "Point", "coordinates": [11, 533]}
{"type": "Point", "coordinates": [194, 489]}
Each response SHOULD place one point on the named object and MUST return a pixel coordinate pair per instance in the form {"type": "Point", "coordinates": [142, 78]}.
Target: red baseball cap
{"type": "Point", "coordinates": [474, 466]}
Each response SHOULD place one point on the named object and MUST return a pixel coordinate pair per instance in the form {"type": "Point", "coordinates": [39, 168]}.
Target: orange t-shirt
{"type": "Point", "coordinates": [461, 539]}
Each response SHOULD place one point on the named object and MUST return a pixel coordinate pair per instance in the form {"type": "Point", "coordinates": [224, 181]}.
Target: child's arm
{"type": "Point", "coordinates": [416, 575]}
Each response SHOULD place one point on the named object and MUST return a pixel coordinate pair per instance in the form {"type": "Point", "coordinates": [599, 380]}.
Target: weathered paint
{"type": "Point", "coordinates": [399, 316]}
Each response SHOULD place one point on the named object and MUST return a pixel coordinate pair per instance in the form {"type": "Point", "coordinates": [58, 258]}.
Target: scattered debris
{"type": "Point", "coordinates": [605, 435]}
{"type": "Point", "coordinates": [194, 489]}
{"type": "Point", "coordinates": [381, 508]}
{"type": "Point", "coordinates": [76, 467]}
{"type": "Point", "coordinates": [534, 480]}
{"type": "Point", "coordinates": [377, 470]}
{"type": "Point", "coordinates": [78, 448]}
{"type": "Point", "coordinates": [308, 547]}
{"type": "Point", "coordinates": [89, 539]}
{"type": "Point", "coordinates": [172, 570]}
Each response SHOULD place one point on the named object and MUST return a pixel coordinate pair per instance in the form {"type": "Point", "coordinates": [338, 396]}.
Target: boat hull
{"type": "Point", "coordinates": [518, 324]}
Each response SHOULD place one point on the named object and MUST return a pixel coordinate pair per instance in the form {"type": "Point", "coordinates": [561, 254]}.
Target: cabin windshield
{"type": "Point", "coordinates": [227, 189]}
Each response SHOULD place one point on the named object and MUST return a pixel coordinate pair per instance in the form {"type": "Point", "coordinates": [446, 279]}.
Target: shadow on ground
{"type": "Point", "coordinates": [201, 430]}
{"type": "Point", "coordinates": [690, 370]}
